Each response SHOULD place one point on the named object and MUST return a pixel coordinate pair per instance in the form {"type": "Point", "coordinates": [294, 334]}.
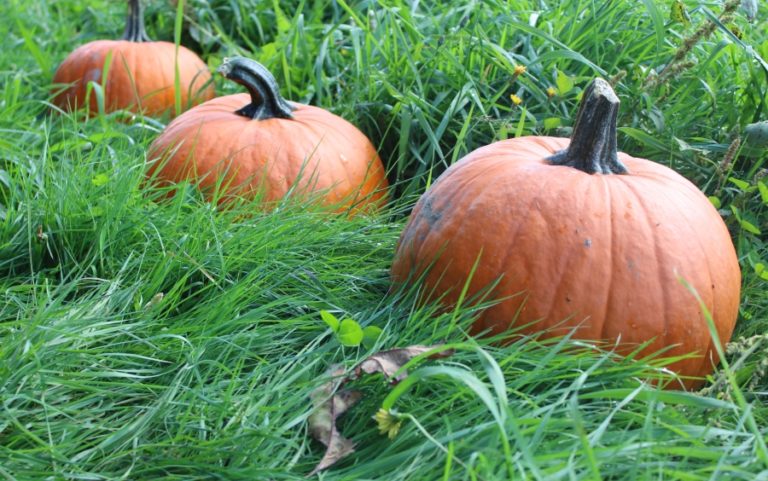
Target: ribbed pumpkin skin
{"type": "Point", "coordinates": [316, 151]}
{"type": "Point", "coordinates": [602, 252]}
{"type": "Point", "coordinates": [140, 78]}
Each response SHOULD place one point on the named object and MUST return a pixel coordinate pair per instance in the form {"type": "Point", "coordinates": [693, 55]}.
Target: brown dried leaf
{"type": "Point", "coordinates": [389, 362]}
{"type": "Point", "coordinates": [330, 403]}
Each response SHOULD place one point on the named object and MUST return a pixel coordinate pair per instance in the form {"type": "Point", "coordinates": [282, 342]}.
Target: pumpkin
{"type": "Point", "coordinates": [140, 73]}
{"type": "Point", "coordinates": [259, 144]}
{"type": "Point", "coordinates": [577, 237]}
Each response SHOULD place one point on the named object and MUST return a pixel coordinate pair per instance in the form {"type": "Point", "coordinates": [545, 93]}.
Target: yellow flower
{"type": "Point", "coordinates": [389, 423]}
{"type": "Point", "coordinates": [551, 92]}
{"type": "Point", "coordinates": [517, 71]}
{"type": "Point", "coordinates": [515, 99]}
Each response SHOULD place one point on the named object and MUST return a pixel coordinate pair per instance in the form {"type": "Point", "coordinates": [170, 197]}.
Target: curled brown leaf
{"type": "Point", "coordinates": [391, 361]}
{"type": "Point", "coordinates": [330, 400]}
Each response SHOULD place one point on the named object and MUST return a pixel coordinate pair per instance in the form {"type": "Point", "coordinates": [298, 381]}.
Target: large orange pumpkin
{"type": "Point", "coordinates": [580, 237]}
{"type": "Point", "coordinates": [141, 74]}
{"type": "Point", "coordinates": [260, 144]}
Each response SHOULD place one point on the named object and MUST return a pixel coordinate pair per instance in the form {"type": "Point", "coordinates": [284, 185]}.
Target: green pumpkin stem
{"type": "Point", "coordinates": [134, 24]}
{"type": "Point", "coordinates": [266, 101]}
{"type": "Point", "coordinates": [593, 142]}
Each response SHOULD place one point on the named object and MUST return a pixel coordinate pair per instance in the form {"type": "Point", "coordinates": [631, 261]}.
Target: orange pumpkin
{"type": "Point", "coordinates": [260, 144]}
{"type": "Point", "coordinates": [140, 73]}
{"type": "Point", "coordinates": [578, 236]}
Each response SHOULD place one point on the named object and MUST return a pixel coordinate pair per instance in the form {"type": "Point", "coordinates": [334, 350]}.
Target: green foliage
{"type": "Point", "coordinates": [350, 333]}
{"type": "Point", "coordinates": [143, 337]}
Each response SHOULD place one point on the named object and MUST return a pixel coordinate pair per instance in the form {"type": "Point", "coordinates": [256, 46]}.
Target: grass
{"type": "Point", "coordinates": [149, 339]}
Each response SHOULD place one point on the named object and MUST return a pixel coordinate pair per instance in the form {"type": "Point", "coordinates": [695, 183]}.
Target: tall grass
{"type": "Point", "coordinates": [144, 338]}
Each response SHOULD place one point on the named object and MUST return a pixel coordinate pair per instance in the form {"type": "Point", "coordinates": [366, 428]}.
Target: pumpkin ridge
{"type": "Point", "coordinates": [120, 68]}
{"type": "Point", "coordinates": [564, 271]}
{"type": "Point", "coordinates": [471, 181]}
{"type": "Point", "coordinates": [198, 149]}
{"type": "Point", "coordinates": [225, 172]}
{"type": "Point", "coordinates": [112, 73]}
{"type": "Point", "coordinates": [442, 248]}
{"type": "Point", "coordinates": [317, 138]}
{"type": "Point", "coordinates": [164, 91]}
{"type": "Point", "coordinates": [662, 178]}
{"type": "Point", "coordinates": [248, 176]}
{"type": "Point", "coordinates": [305, 174]}
{"type": "Point", "coordinates": [331, 131]}
{"type": "Point", "coordinates": [709, 350]}
{"type": "Point", "coordinates": [659, 260]}
{"type": "Point", "coordinates": [325, 121]}
{"type": "Point", "coordinates": [611, 236]}
{"type": "Point", "coordinates": [463, 191]}
{"type": "Point", "coordinates": [181, 124]}
{"type": "Point", "coordinates": [345, 170]}
{"type": "Point", "coordinates": [190, 151]}
{"type": "Point", "coordinates": [81, 82]}
{"type": "Point", "coordinates": [512, 240]}
{"type": "Point", "coordinates": [373, 192]}
{"type": "Point", "coordinates": [131, 67]}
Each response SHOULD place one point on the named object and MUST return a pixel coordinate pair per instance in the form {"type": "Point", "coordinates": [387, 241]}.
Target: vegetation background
{"type": "Point", "coordinates": [166, 340]}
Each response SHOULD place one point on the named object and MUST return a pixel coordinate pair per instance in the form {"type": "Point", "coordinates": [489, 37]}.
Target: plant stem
{"type": "Point", "coordinates": [266, 101]}
{"type": "Point", "coordinates": [134, 23]}
{"type": "Point", "coordinates": [593, 143]}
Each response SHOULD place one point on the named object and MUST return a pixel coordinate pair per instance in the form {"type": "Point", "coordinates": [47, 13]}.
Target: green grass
{"type": "Point", "coordinates": [166, 340]}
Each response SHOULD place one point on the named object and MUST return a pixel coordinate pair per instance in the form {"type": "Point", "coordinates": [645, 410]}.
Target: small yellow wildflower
{"type": "Point", "coordinates": [515, 99]}
{"type": "Point", "coordinates": [551, 92]}
{"type": "Point", "coordinates": [517, 71]}
{"type": "Point", "coordinates": [388, 422]}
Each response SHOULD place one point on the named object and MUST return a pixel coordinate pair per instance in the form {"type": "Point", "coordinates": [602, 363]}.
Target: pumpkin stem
{"type": "Point", "coordinates": [134, 24]}
{"type": "Point", "coordinates": [593, 142]}
{"type": "Point", "coordinates": [266, 101]}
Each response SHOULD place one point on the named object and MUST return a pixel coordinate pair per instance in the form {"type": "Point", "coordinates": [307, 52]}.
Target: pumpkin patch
{"type": "Point", "coordinates": [578, 236]}
{"type": "Point", "coordinates": [372, 257]}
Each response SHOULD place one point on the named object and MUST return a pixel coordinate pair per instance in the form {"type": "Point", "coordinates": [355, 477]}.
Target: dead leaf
{"type": "Point", "coordinates": [323, 428]}
{"type": "Point", "coordinates": [331, 401]}
{"type": "Point", "coordinates": [389, 362]}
